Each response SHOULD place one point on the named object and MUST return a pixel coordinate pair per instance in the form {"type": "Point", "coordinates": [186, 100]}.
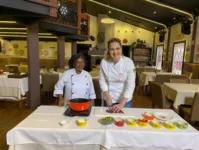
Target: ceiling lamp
{"type": "Point", "coordinates": [107, 20]}
{"type": "Point", "coordinates": [62, 9]}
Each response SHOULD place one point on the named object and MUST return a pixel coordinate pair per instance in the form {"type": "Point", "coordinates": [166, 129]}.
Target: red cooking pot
{"type": "Point", "coordinates": [79, 104]}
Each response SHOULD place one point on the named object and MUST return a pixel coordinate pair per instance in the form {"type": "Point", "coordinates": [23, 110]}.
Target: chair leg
{"type": "Point", "coordinates": [153, 105]}
{"type": "Point", "coordinates": [20, 104]}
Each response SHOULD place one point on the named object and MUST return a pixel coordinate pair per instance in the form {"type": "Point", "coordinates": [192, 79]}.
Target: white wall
{"type": "Point", "coordinates": [132, 33]}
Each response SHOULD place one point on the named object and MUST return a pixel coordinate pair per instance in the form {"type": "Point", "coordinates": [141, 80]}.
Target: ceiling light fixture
{"type": "Point", "coordinates": [8, 22]}
{"type": "Point", "coordinates": [169, 7]}
{"type": "Point", "coordinates": [107, 20]}
{"type": "Point", "coordinates": [125, 12]}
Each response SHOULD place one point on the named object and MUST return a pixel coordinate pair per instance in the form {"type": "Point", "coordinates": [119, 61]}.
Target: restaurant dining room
{"type": "Point", "coordinates": [99, 75]}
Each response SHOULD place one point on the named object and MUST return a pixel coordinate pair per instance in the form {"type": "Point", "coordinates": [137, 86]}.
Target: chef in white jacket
{"type": "Point", "coordinates": [78, 83]}
{"type": "Point", "coordinates": [117, 77]}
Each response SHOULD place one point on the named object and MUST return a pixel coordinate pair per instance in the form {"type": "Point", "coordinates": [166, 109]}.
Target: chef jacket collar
{"type": "Point", "coordinates": [118, 63]}
{"type": "Point", "coordinates": [75, 73]}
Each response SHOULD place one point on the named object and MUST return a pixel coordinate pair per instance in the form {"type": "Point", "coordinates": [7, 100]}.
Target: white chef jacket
{"type": "Point", "coordinates": [118, 79]}
{"type": "Point", "coordinates": [76, 85]}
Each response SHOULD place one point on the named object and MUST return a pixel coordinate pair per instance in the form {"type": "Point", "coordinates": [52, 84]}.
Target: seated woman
{"type": "Point", "coordinates": [78, 82]}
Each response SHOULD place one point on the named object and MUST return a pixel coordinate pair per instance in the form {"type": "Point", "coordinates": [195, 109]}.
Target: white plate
{"type": "Point", "coordinates": [163, 116]}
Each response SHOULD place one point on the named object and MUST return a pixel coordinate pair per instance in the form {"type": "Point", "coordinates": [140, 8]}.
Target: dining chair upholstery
{"type": "Point", "coordinates": [149, 70]}
{"type": "Point", "coordinates": [191, 111]}
{"type": "Point", "coordinates": [48, 83]}
{"type": "Point", "coordinates": [97, 91]}
{"type": "Point", "coordinates": [179, 77]}
{"type": "Point", "coordinates": [158, 97]}
{"type": "Point", "coordinates": [61, 70]}
{"type": "Point", "coordinates": [194, 81]}
{"type": "Point", "coordinates": [162, 78]}
{"type": "Point", "coordinates": [179, 80]}
{"type": "Point", "coordinates": [188, 74]}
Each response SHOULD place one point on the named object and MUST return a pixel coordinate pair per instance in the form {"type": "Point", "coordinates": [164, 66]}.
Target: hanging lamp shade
{"type": "Point", "coordinates": [107, 20]}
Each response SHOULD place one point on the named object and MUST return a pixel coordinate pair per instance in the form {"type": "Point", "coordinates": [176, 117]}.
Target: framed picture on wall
{"type": "Point", "coordinates": [178, 57]}
{"type": "Point", "coordinates": [159, 56]}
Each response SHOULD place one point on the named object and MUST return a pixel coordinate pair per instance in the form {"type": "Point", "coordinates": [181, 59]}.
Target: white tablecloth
{"type": "Point", "coordinates": [42, 129]}
{"type": "Point", "coordinates": [145, 77]}
{"type": "Point", "coordinates": [180, 93]}
{"type": "Point", "coordinates": [21, 84]}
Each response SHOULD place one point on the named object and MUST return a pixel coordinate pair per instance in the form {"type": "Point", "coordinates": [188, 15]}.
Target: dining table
{"type": "Point", "coordinates": [44, 130]}
{"type": "Point", "coordinates": [180, 93]}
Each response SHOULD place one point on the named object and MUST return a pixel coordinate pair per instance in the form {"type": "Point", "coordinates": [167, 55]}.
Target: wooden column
{"type": "Point", "coordinates": [74, 48]}
{"type": "Point", "coordinates": [33, 66]}
{"type": "Point", "coordinates": [193, 43]}
{"type": "Point", "coordinates": [60, 52]}
{"type": "Point", "coordinates": [168, 42]}
{"type": "Point", "coordinates": [154, 51]}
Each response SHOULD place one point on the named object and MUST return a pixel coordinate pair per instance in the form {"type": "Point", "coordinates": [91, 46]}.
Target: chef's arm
{"type": "Point", "coordinates": [130, 83]}
{"type": "Point", "coordinates": [104, 86]}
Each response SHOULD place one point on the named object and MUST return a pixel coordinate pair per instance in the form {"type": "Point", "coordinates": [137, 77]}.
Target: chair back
{"type": "Point", "coordinates": [194, 81]}
{"type": "Point", "coordinates": [61, 70]}
{"type": "Point", "coordinates": [158, 96]}
{"type": "Point", "coordinates": [188, 74]}
{"type": "Point", "coordinates": [195, 108]}
{"type": "Point", "coordinates": [162, 78]}
{"type": "Point", "coordinates": [179, 77]}
{"type": "Point", "coordinates": [97, 91]}
{"type": "Point", "coordinates": [49, 81]}
{"type": "Point", "coordinates": [149, 70]}
{"type": "Point", "coordinates": [179, 80]}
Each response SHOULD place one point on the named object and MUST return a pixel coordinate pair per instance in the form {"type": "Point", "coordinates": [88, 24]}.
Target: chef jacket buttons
{"type": "Point", "coordinates": [86, 92]}
{"type": "Point", "coordinates": [87, 84]}
{"type": "Point", "coordinates": [72, 93]}
{"type": "Point", "coordinates": [85, 76]}
{"type": "Point", "coordinates": [72, 83]}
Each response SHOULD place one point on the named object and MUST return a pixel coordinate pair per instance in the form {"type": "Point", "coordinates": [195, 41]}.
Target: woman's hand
{"type": "Point", "coordinates": [117, 107]}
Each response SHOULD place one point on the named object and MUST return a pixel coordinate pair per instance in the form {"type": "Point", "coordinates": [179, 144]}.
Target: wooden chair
{"type": "Point", "coordinates": [179, 77]}
{"type": "Point", "coordinates": [98, 101]}
{"type": "Point", "coordinates": [61, 70]}
{"type": "Point", "coordinates": [191, 111]}
{"type": "Point", "coordinates": [194, 81]}
{"type": "Point", "coordinates": [158, 97]}
{"type": "Point", "coordinates": [188, 74]}
{"type": "Point", "coordinates": [162, 78]}
{"type": "Point", "coordinates": [149, 70]}
{"type": "Point", "coordinates": [48, 82]}
{"type": "Point", "coordinates": [179, 80]}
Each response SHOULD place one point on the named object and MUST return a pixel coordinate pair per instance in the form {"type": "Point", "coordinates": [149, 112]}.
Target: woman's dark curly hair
{"type": "Point", "coordinates": [74, 58]}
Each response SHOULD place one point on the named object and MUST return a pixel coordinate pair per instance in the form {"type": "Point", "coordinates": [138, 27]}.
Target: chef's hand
{"type": "Point", "coordinates": [117, 107]}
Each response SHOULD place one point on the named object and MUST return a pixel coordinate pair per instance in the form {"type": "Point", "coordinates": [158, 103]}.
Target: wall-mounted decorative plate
{"type": "Point", "coordinates": [21, 52]}
{"type": "Point", "coordinates": [15, 46]}
{"type": "Point", "coordinates": [41, 52]}
{"type": "Point", "coordinates": [16, 51]}
{"type": "Point", "coordinates": [46, 53]}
